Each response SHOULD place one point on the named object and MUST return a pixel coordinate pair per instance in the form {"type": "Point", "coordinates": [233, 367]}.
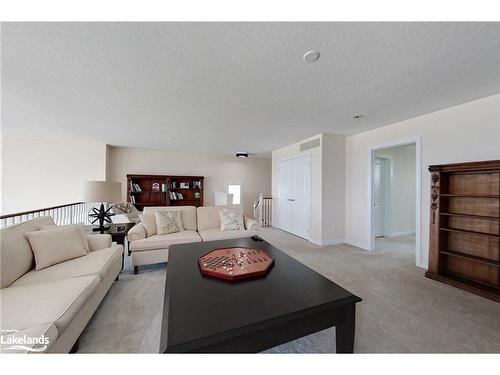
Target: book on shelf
{"type": "Point", "coordinates": [132, 199]}
{"type": "Point", "coordinates": [175, 196]}
{"type": "Point", "coordinates": [135, 188]}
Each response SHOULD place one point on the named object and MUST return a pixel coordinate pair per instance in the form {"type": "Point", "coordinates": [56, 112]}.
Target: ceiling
{"type": "Point", "coordinates": [227, 87]}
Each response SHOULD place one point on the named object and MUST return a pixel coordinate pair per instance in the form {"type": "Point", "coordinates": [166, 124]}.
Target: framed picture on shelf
{"type": "Point", "coordinates": [196, 184]}
{"type": "Point", "coordinates": [155, 186]}
{"type": "Point", "coordinates": [184, 185]}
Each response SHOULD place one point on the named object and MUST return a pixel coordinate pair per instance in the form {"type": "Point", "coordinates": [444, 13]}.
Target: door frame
{"type": "Point", "coordinates": [295, 156]}
{"type": "Point", "coordinates": [417, 141]}
{"type": "Point", "coordinates": [388, 171]}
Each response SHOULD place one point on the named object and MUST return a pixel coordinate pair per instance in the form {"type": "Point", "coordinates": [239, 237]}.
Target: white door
{"type": "Point", "coordinates": [300, 196]}
{"type": "Point", "coordinates": [284, 214]}
{"type": "Point", "coordinates": [294, 195]}
{"type": "Point", "coordinates": [378, 196]}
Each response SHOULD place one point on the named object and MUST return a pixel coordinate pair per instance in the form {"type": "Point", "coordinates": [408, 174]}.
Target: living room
{"type": "Point", "coordinates": [250, 187]}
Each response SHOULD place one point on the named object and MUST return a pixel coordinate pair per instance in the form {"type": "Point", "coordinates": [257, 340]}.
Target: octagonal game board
{"type": "Point", "coordinates": [235, 263]}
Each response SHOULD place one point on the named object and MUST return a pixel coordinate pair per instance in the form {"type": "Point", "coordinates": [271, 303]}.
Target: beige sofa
{"type": "Point", "coordinates": [57, 301]}
{"type": "Point", "coordinates": [200, 224]}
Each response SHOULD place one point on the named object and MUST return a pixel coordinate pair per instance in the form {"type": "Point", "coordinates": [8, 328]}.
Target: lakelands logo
{"type": "Point", "coordinates": [11, 342]}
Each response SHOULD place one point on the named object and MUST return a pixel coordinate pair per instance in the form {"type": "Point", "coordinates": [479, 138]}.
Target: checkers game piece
{"type": "Point", "coordinates": [235, 263]}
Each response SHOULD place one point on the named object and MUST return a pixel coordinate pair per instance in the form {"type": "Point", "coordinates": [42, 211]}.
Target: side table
{"type": "Point", "coordinates": [117, 236]}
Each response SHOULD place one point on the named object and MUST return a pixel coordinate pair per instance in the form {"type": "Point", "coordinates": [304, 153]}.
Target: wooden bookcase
{"type": "Point", "coordinates": [155, 190]}
{"type": "Point", "coordinates": [465, 227]}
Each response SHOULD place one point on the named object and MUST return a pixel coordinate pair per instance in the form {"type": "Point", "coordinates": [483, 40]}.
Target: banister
{"type": "Point", "coordinates": [39, 210]}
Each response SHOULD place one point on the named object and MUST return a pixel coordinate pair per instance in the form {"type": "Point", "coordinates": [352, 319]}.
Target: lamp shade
{"type": "Point", "coordinates": [102, 191]}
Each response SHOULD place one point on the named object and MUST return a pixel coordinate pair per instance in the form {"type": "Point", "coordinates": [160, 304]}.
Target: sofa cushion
{"type": "Point", "coordinates": [230, 221]}
{"type": "Point", "coordinates": [95, 263]}
{"type": "Point", "coordinates": [208, 217]}
{"type": "Point", "coordinates": [239, 213]}
{"type": "Point", "coordinates": [52, 246]}
{"type": "Point", "coordinates": [188, 214]}
{"type": "Point", "coordinates": [216, 234]}
{"type": "Point", "coordinates": [81, 230]}
{"type": "Point", "coordinates": [16, 257]}
{"type": "Point", "coordinates": [58, 301]}
{"type": "Point", "coordinates": [148, 221]}
{"type": "Point", "coordinates": [168, 221]}
{"type": "Point", "coordinates": [163, 241]}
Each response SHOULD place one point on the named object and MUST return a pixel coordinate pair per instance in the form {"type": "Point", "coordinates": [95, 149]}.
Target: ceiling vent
{"type": "Point", "coordinates": [313, 143]}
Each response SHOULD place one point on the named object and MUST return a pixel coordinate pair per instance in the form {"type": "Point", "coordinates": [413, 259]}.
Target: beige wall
{"type": "Point", "coordinates": [333, 182]}
{"type": "Point", "coordinates": [254, 174]}
{"type": "Point", "coordinates": [40, 173]}
{"type": "Point", "coordinates": [467, 132]}
{"type": "Point", "coordinates": [401, 215]}
{"type": "Point", "coordinates": [327, 186]}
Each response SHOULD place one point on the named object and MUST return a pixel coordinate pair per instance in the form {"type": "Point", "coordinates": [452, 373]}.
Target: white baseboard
{"type": "Point", "coordinates": [326, 242]}
{"type": "Point", "coordinates": [357, 244]}
{"type": "Point", "coordinates": [401, 234]}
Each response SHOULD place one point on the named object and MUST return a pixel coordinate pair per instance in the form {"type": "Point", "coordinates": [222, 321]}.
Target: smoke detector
{"type": "Point", "coordinates": [311, 56]}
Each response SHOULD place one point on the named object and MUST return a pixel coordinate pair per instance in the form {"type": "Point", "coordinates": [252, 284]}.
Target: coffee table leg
{"type": "Point", "coordinates": [344, 330]}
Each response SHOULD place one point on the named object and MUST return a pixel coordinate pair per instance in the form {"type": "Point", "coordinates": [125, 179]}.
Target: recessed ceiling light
{"type": "Point", "coordinates": [311, 56]}
{"type": "Point", "coordinates": [240, 154]}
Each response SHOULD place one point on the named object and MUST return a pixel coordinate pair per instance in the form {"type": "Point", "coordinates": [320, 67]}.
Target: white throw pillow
{"type": "Point", "coordinates": [229, 221]}
{"type": "Point", "coordinates": [81, 229]}
{"type": "Point", "coordinates": [52, 246]}
{"type": "Point", "coordinates": [148, 221]}
{"type": "Point", "coordinates": [239, 212]}
{"type": "Point", "coordinates": [168, 221]}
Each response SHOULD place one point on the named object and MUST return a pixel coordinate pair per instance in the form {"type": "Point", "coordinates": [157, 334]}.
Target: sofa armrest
{"type": "Point", "coordinates": [137, 232]}
{"type": "Point", "coordinates": [251, 224]}
{"type": "Point", "coordinates": [99, 241]}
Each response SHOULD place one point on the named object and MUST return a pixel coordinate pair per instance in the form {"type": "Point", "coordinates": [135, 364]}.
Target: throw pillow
{"type": "Point", "coordinates": [239, 212]}
{"type": "Point", "coordinates": [81, 229]}
{"type": "Point", "coordinates": [148, 221]}
{"type": "Point", "coordinates": [52, 246]}
{"type": "Point", "coordinates": [168, 221]}
{"type": "Point", "coordinates": [229, 221]}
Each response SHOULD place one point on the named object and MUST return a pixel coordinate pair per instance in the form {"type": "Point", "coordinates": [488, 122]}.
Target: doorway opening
{"type": "Point", "coordinates": [395, 199]}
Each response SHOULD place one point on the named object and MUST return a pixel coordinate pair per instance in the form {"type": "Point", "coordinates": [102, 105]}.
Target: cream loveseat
{"type": "Point", "coordinates": [200, 224]}
{"type": "Point", "coordinates": [58, 301]}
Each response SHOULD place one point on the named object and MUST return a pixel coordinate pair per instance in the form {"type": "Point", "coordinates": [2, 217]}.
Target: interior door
{"type": "Point", "coordinates": [378, 197]}
{"type": "Point", "coordinates": [285, 170]}
{"type": "Point", "coordinates": [300, 197]}
{"type": "Point", "coordinates": [294, 195]}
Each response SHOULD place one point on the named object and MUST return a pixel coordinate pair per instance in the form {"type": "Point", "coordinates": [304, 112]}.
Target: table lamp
{"type": "Point", "coordinates": [104, 192]}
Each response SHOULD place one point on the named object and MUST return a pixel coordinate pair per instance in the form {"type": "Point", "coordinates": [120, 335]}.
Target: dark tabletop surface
{"type": "Point", "coordinates": [201, 307]}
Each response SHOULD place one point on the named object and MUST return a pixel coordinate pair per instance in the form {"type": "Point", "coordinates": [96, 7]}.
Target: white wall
{"type": "Point", "coordinates": [467, 132]}
{"type": "Point", "coordinates": [254, 174]}
{"type": "Point", "coordinates": [327, 186]}
{"type": "Point", "coordinates": [401, 215]}
{"type": "Point", "coordinates": [37, 173]}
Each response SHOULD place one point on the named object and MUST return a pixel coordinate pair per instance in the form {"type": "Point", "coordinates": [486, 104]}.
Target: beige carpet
{"type": "Point", "coordinates": [401, 312]}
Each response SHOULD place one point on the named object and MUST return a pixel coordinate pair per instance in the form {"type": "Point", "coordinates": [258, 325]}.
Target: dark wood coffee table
{"type": "Point", "coordinates": [206, 315]}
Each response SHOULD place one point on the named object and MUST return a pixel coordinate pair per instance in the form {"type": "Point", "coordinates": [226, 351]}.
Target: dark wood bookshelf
{"type": "Point", "coordinates": [160, 190]}
{"type": "Point", "coordinates": [465, 227]}
{"type": "Point", "coordinates": [479, 217]}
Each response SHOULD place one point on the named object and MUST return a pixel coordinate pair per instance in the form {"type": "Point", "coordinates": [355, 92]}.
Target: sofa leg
{"type": "Point", "coordinates": [117, 277]}
{"type": "Point", "coordinates": [136, 270]}
{"type": "Point", "coordinates": [75, 347]}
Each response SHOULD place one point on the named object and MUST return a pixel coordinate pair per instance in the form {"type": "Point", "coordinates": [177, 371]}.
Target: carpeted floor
{"type": "Point", "coordinates": [401, 312]}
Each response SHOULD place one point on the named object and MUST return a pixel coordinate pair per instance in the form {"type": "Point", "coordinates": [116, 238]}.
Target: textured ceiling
{"type": "Point", "coordinates": [224, 87]}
